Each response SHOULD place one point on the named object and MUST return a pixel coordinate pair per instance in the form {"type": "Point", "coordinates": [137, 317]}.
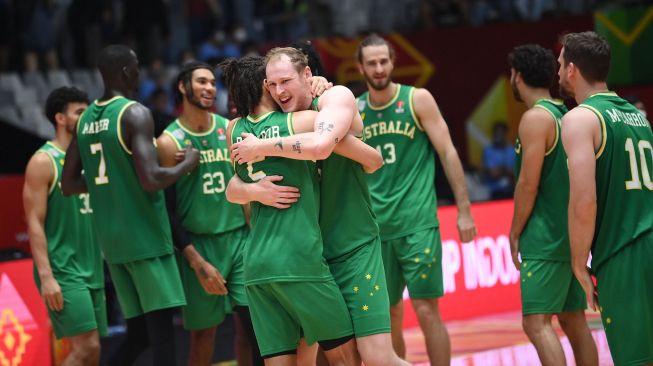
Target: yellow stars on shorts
{"type": "Point", "coordinates": [530, 274]}
{"type": "Point", "coordinates": [377, 287]}
{"type": "Point", "coordinates": [416, 259]}
{"type": "Point", "coordinates": [427, 250]}
{"type": "Point", "coordinates": [368, 276]}
{"type": "Point", "coordinates": [525, 264]}
{"type": "Point", "coordinates": [608, 321]}
{"type": "Point", "coordinates": [365, 308]}
{"type": "Point", "coordinates": [423, 276]}
{"type": "Point", "coordinates": [356, 289]}
{"type": "Point", "coordinates": [371, 293]}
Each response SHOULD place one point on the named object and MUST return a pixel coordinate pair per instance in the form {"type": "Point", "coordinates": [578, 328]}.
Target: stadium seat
{"type": "Point", "coordinates": [58, 78]}
{"type": "Point", "coordinates": [10, 114]}
{"type": "Point", "coordinates": [10, 81]}
{"type": "Point", "coordinates": [36, 80]}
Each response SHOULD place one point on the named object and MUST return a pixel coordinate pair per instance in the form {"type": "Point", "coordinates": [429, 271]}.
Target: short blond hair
{"type": "Point", "coordinates": [297, 58]}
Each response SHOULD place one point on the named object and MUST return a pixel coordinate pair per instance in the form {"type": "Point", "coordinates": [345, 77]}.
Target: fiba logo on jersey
{"type": "Point", "coordinates": [221, 135]}
{"type": "Point", "coordinates": [400, 107]}
{"type": "Point", "coordinates": [179, 134]}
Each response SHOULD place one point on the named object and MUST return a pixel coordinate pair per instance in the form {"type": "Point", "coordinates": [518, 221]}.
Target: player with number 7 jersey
{"type": "Point", "coordinates": [130, 223]}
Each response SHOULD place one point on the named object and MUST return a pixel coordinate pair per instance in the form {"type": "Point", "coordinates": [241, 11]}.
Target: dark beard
{"type": "Point", "coordinates": [515, 91]}
{"type": "Point", "coordinates": [375, 86]}
{"type": "Point", "coordinates": [565, 93]}
{"type": "Point", "coordinates": [192, 99]}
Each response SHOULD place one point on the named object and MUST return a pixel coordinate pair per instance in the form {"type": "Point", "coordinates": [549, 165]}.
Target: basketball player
{"type": "Point", "coordinates": [539, 223]}
{"type": "Point", "coordinates": [275, 280]}
{"type": "Point", "coordinates": [608, 144]}
{"type": "Point", "coordinates": [67, 262]}
{"type": "Point", "coordinates": [403, 123]}
{"type": "Point", "coordinates": [348, 224]}
{"type": "Point", "coordinates": [207, 230]}
{"type": "Point", "coordinates": [114, 144]}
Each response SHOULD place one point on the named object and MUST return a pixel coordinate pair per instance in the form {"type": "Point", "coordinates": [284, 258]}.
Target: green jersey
{"type": "Point", "coordinates": [201, 202]}
{"type": "Point", "coordinates": [545, 235]}
{"type": "Point", "coordinates": [347, 219]}
{"type": "Point", "coordinates": [403, 191]}
{"type": "Point", "coordinates": [130, 223]}
{"type": "Point", "coordinates": [624, 188]}
{"type": "Point", "coordinates": [73, 253]}
{"type": "Point", "coordinates": [284, 245]}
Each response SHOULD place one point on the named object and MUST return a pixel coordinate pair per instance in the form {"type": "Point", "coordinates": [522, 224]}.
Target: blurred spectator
{"type": "Point", "coordinates": [634, 100]}
{"type": "Point", "coordinates": [146, 28]}
{"type": "Point", "coordinates": [499, 163]}
{"type": "Point", "coordinates": [284, 20]}
{"type": "Point", "coordinates": [484, 11]}
{"type": "Point", "coordinates": [204, 16]}
{"type": "Point", "coordinates": [160, 107]}
{"type": "Point", "coordinates": [6, 35]}
{"type": "Point", "coordinates": [92, 24]}
{"type": "Point", "coordinates": [155, 78]}
{"type": "Point", "coordinates": [36, 35]}
{"type": "Point", "coordinates": [218, 47]}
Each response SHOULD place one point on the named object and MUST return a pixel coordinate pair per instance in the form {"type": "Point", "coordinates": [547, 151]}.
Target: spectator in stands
{"type": "Point", "coordinates": [146, 27]}
{"type": "Point", "coordinates": [159, 103]}
{"type": "Point", "coordinates": [634, 100]}
{"type": "Point", "coordinates": [35, 30]}
{"type": "Point", "coordinates": [217, 48]}
{"type": "Point", "coordinates": [5, 34]}
{"type": "Point", "coordinates": [499, 163]}
{"type": "Point", "coordinates": [91, 24]}
{"type": "Point", "coordinates": [203, 17]}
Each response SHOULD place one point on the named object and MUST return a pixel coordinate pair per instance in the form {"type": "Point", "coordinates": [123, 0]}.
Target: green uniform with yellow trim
{"type": "Point", "coordinates": [74, 256]}
{"type": "Point", "coordinates": [131, 225]}
{"type": "Point", "coordinates": [216, 227]}
{"type": "Point", "coordinates": [548, 284]}
{"type": "Point", "coordinates": [622, 249]}
{"type": "Point", "coordinates": [352, 246]}
{"type": "Point", "coordinates": [289, 286]}
{"type": "Point", "coordinates": [403, 196]}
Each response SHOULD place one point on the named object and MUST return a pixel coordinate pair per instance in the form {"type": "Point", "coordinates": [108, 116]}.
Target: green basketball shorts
{"type": "Point", "coordinates": [415, 261]}
{"type": "Point", "coordinates": [282, 312]}
{"type": "Point", "coordinates": [550, 287]}
{"type": "Point", "coordinates": [361, 278]}
{"type": "Point", "coordinates": [147, 285]}
{"type": "Point", "coordinates": [224, 252]}
{"type": "Point", "coordinates": [84, 310]}
{"type": "Point", "coordinates": [625, 289]}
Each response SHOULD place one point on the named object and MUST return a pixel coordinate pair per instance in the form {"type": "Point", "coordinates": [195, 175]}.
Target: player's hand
{"type": "Point", "coordinates": [319, 85]}
{"type": "Point", "coordinates": [179, 156]}
{"type": "Point", "coordinates": [584, 277]}
{"type": "Point", "coordinates": [270, 194]}
{"type": "Point", "coordinates": [211, 279]}
{"type": "Point", "coordinates": [466, 227]}
{"type": "Point", "coordinates": [514, 251]}
{"type": "Point", "coordinates": [245, 151]}
{"type": "Point", "coordinates": [191, 158]}
{"type": "Point", "coordinates": [51, 292]}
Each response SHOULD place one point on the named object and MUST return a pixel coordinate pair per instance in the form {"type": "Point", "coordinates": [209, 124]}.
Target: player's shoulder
{"type": "Point", "coordinates": [536, 114]}
{"type": "Point", "coordinates": [580, 112]}
{"type": "Point", "coordinates": [40, 165]}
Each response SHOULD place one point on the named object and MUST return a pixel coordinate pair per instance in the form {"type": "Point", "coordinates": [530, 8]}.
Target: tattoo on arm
{"type": "Point", "coordinates": [321, 128]}
{"type": "Point", "coordinates": [297, 146]}
{"type": "Point", "coordinates": [279, 144]}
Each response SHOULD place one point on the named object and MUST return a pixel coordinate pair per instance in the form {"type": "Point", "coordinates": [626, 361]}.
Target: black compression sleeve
{"type": "Point", "coordinates": [180, 237]}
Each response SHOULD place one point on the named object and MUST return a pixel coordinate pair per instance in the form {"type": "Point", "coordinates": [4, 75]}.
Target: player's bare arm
{"type": "Point", "coordinates": [138, 131]}
{"type": "Point", "coordinates": [209, 277]}
{"type": "Point", "coordinates": [39, 177]}
{"type": "Point", "coordinates": [580, 136]}
{"type": "Point", "coordinates": [431, 119]}
{"type": "Point", "coordinates": [72, 180]}
{"type": "Point", "coordinates": [264, 191]}
{"type": "Point", "coordinates": [537, 134]}
{"type": "Point", "coordinates": [354, 149]}
{"type": "Point", "coordinates": [337, 110]}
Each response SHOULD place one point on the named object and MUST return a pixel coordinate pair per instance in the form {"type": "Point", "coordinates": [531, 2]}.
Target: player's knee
{"type": "Point", "coordinates": [536, 323]}
{"type": "Point", "coordinates": [86, 349]}
{"type": "Point", "coordinates": [426, 309]}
